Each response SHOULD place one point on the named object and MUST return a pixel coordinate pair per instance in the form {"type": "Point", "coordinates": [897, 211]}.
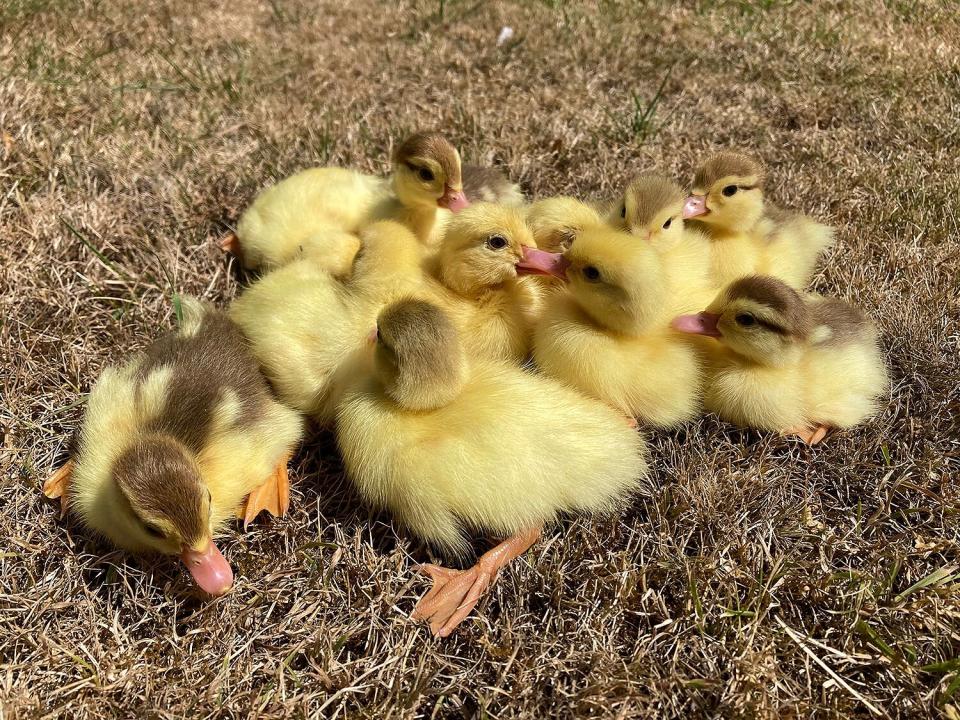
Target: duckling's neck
{"type": "Point", "coordinates": [743, 224]}
{"type": "Point", "coordinates": [785, 358]}
{"type": "Point", "coordinates": [422, 220]}
{"type": "Point", "coordinates": [467, 286]}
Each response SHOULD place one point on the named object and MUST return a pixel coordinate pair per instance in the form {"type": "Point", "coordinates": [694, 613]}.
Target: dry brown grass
{"type": "Point", "coordinates": [756, 578]}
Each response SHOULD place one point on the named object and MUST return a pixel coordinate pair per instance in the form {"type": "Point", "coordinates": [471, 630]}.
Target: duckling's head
{"type": "Point", "coordinates": [652, 209]}
{"type": "Point", "coordinates": [488, 245]}
{"type": "Point", "coordinates": [419, 358]}
{"type": "Point", "coordinates": [758, 317]}
{"type": "Point", "coordinates": [617, 282]}
{"type": "Point", "coordinates": [426, 173]}
{"type": "Point", "coordinates": [556, 222]}
{"type": "Point", "coordinates": [162, 505]}
{"type": "Point", "coordinates": [727, 193]}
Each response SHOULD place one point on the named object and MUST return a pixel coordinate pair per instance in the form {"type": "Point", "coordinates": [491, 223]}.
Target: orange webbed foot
{"type": "Point", "coordinates": [57, 484]}
{"type": "Point", "coordinates": [811, 436]}
{"type": "Point", "coordinates": [273, 496]}
{"type": "Point", "coordinates": [456, 592]}
{"type": "Point", "coordinates": [453, 596]}
{"type": "Point", "coordinates": [230, 243]}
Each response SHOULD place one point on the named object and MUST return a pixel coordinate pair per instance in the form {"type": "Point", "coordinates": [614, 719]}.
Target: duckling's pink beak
{"type": "Point", "coordinates": [453, 200]}
{"type": "Point", "coordinates": [695, 206]}
{"type": "Point", "coordinates": [703, 323]}
{"type": "Point", "coordinates": [209, 568]}
{"type": "Point", "coordinates": [541, 262]}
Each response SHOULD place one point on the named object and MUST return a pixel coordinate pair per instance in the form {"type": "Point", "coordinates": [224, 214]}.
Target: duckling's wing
{"type": "Point", "coordinates": [488, 184]}
{"type": "Point", "coordinates": [795, 242]}
{"type": "Point", "coordinates": [838, 323]}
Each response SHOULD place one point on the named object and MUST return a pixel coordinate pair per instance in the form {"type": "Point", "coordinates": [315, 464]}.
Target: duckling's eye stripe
{"type": "Point", "coordinates": [771, 326]}
{"type": "Point", "coordinates": [746, 187]}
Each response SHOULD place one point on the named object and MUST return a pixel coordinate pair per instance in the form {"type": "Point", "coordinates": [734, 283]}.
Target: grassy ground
{"type": "Point", "coordinates": [755, 578]}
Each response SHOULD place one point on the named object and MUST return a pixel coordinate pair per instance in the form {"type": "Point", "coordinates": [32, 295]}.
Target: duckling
{"type": "Point", "coordinates": [609, 336]}
{"type": "Point", "coordinates": [478, 277]}
{"type": "Point", "coordinates": [790, 364]}
{"type": "Point", "coordinates": [556, 221]}
{"type": "Point", "coordinates": [448, 445]}
{"type": "Point", "coordinates": [174, 441]}
{"type": "Point", "coordinates": [318, 212]}
{"type": "Point", "coordinates": [304, 324]}
{"type": "Point", "coordinates": [487, 184]}
{"type": "Point", "coordinates": [652, 209]}
{"type": "Point", "coordinates": [749, 237]}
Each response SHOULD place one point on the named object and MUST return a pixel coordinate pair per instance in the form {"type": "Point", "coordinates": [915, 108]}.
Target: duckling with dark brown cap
{"type": "Point", "coordinates": [449, 443]}
{"type": "Point", "coordinates": [173, 443]}
{"type": "Point", "coordinates": [652, 211]}
{"type": "Point", "coordinates": [317, 213]}
{"type": "Point", "coordinates": [788, 363]}
{"type": "Point", "coordinates": [748, 236]}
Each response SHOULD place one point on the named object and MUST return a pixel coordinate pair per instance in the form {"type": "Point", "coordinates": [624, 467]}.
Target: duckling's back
{"type": "Point", "coordinates": [795, 243]}
{"type": "Point", "coordinates": [303, 324]}
{"type": "Point", "coordinates": [514, 450]}
{"type": "Point", "coordinates": [204, 365]}
{"type": "Point", "coordinates": [846, 371]}
{"type": "Point", "coordinates": [286, 220]}
{"type": "Point", "coordinates": [200, 386]}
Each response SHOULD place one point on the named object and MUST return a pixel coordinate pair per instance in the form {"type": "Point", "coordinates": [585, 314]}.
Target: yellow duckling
{"type": "Point", "coordinates": [789, 364]}
{"type": "Point", "coordinates": [652, 210]}
{"type": "Point", "coordinates": [477, 276]}
{"type": "Point", "coordinates": [487, 184]}
{"type": "Point", "coordinates": [449, 446]}
{"type": "Point", "coordinates": [317, 213]}
{"type": "Point", "coordinates": [556, 221]}
{"type": "Point", "coordinates": [304, 324]}
{"type": "Point", "coordinates": [610, 336]}
{"type": "Point", "coordinates": [174, 441]}
{"type": "Point", "coordinates": [747, 236]}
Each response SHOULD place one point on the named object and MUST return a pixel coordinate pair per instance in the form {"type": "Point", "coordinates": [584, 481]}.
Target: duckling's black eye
{"type": "Point", "coordinates": [425, 174]}
{"type": "Point", "coordinates": [623, 211]}
{"type": "Point", "coordinates": [666, 225]}
{"type": "Point", "coordinates": [497, 242]}
{"type": "Point", "coordinates": [745, 319]}
{"type": "Point", "coordinates": [729, 190]}
{"type": "Point", "coordinates": [591, 273]}
{"type": "Point", "coordinates": [153, 531]}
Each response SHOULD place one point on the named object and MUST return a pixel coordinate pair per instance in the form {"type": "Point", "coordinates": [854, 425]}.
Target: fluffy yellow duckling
{"type": "Point", "coordinates": [556, 221]}
{"type": "Point", "coordinates": [449, 446]}
{"type": "Point", "coordinates": [304, 324]}
{"type": "Point", "coordinates": [488, 184]}
{"type": "Point", "coordinates": [477, 276]}
{"type": "Point", "coordinates": [174, 441]}
{"type": "Point", "coordinates": [749, 237]}
{"type": "Point", "coordinates": [317, 213]}
{"type": "Point", "coordinates": [652, 210]}
{"type": "Point", "coordinates": [610, 335]}
{"type": "Point", "coordinates": [789, 364]}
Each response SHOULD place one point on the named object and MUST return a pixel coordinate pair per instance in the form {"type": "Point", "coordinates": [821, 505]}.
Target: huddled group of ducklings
{"type": "Point", "coordinates": [484, 363]}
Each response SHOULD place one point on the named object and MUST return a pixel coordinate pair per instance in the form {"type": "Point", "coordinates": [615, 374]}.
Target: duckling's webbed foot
{"type": "Point", "coordinates": [273, 496]}
{"type": "Point", "coordinates": [811, 436]}
{"type": "Point", "coordinates": [230, 243]}
{"type": "Point", "coordinates": [456, 592]}
{"type": "Point", "coordinates": [56, 485]}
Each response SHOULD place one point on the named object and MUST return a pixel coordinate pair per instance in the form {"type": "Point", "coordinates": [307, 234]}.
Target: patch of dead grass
{"type": "Point", "coordinates": [749, 576]}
